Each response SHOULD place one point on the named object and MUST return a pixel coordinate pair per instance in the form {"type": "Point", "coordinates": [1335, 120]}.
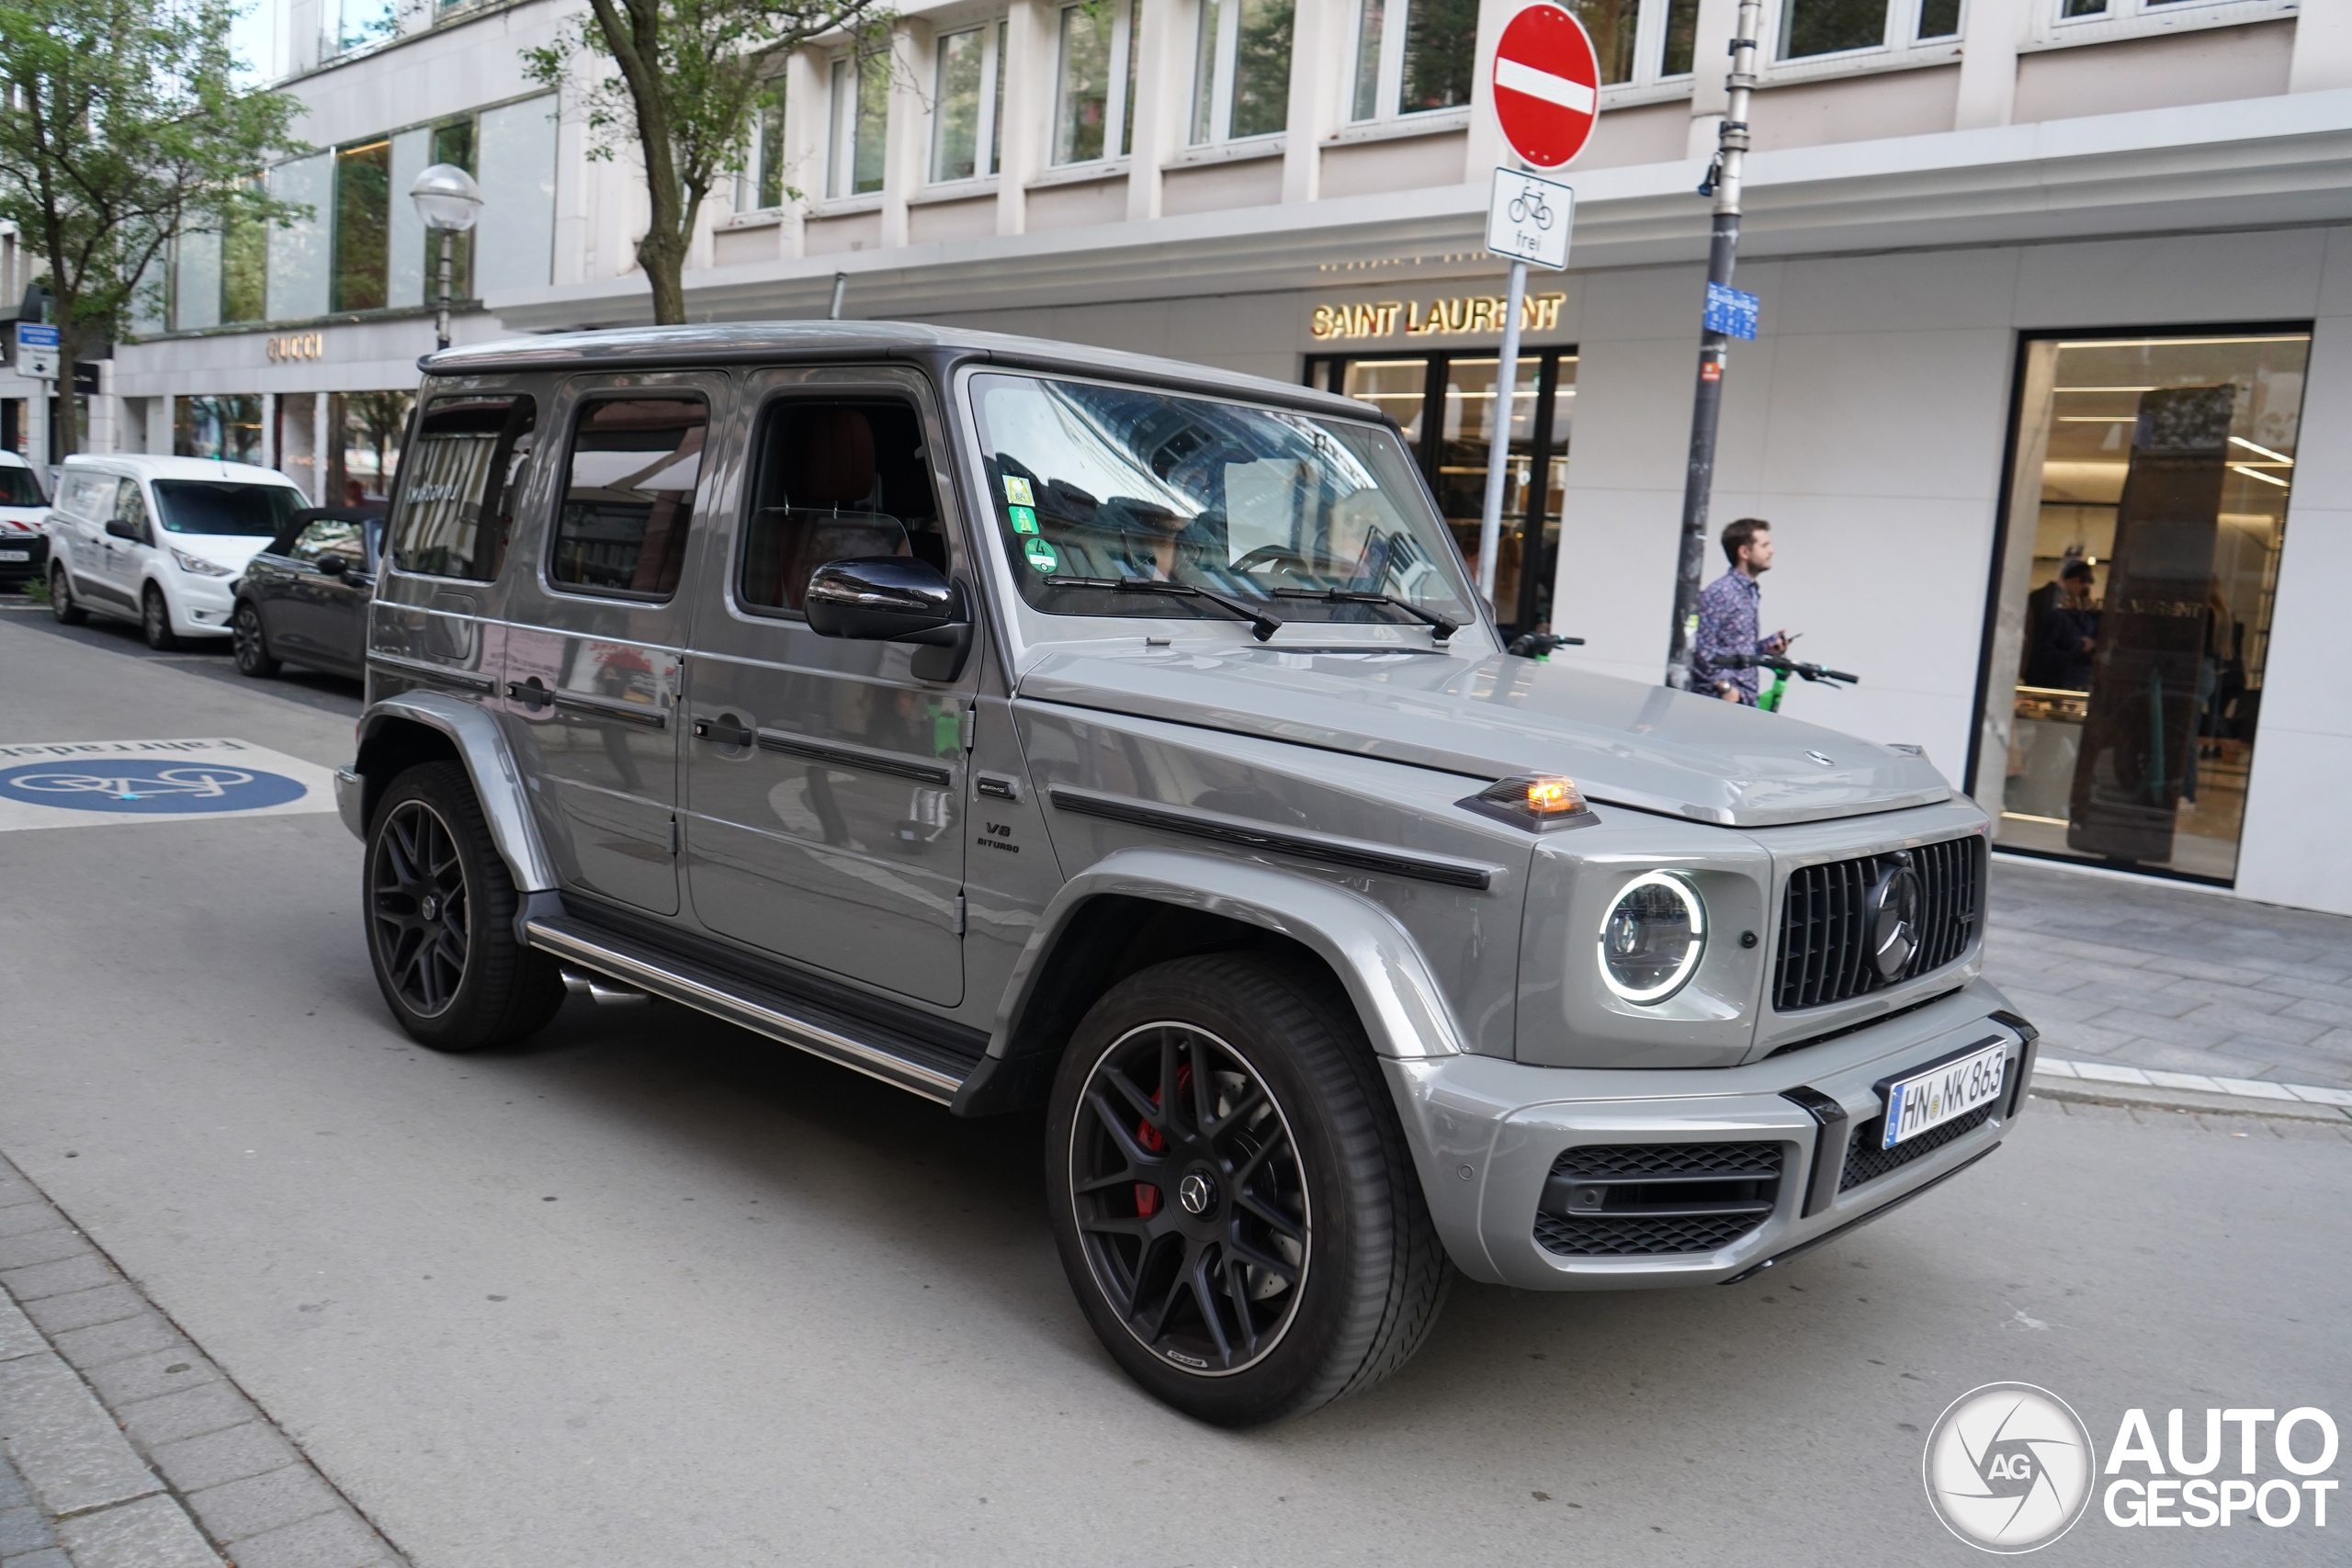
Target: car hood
{"type": "Point", "coordinates": [23, 519]}
{"type": "Point", "coordinates": [231, 550]}
{"type": "Point", "coordinates": [1621, 741]}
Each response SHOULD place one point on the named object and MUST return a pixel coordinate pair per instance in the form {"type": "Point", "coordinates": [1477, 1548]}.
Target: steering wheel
{"type": "Point", "coordinates": [1269, 555]}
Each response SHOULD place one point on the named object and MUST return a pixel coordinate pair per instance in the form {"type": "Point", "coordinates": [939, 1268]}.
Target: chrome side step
{"type": "Point", "coordinates": [904, 1062]}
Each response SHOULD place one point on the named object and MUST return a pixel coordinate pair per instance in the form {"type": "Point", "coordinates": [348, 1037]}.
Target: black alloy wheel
{"type": "Point", "coordinates": [61, 598]}
{"type": "Point", "coordinates": [439, 905]}
{"type": "Point", "coordinates": [251, 641]}
{"type": "Point", "coordinates": [1231, 1192]}
{"type": "Point", "coordinates": [1189, 1198]}
{"type": "Point", "coordinates": [155, 620]}
{"type": "Point", "coordinates": [417, 906]}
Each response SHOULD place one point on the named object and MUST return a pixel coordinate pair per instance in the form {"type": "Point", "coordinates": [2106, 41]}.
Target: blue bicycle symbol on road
{"type": "Point", "coordinates": [183, 789]}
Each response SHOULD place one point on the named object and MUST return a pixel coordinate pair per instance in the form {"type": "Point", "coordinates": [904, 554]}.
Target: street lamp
{"type": "Point", "coordinates": [449, 201]}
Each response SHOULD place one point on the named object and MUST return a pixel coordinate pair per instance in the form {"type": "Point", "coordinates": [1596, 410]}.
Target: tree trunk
{"type": "Point", "coordinates": [664, 261]}
{"type": "Point", "coordinates": [65, 437]}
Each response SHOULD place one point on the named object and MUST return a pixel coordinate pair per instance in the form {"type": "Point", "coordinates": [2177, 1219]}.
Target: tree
{"type": "Point", "coordinates": [120, 126]}
{"type": "Point", "coordinates": [687, 79]}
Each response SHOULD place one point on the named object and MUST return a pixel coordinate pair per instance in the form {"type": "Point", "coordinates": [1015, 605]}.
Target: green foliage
{"type": "Point", "coordinates": [119, 126]}
{"type": "Point", "coordinates": [682, 80]}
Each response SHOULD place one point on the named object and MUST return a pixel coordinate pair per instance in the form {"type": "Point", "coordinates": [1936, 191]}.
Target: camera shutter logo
{"type": "Point", "coordinates": [2009, 1467]}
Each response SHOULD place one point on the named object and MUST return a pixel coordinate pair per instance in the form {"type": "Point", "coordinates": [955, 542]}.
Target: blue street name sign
{"type": "Point", "coordinates": [1731, 311]}
{"type": "Point", "coordinates": [36, 335]}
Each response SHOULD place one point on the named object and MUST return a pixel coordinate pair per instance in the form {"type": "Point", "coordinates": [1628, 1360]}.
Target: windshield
{"type": "Point", "coordinates": [18, 488]}
{"type": "Point", "coordinates": [208, 506]}
{"type": "Point", "coordinates": [1254, 504]}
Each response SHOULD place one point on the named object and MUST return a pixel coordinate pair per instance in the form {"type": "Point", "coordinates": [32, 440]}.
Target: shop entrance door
{"type": "Point", "coordinates": [1447, 404]}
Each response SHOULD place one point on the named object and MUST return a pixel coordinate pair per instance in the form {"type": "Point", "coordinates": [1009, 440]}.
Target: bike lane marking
{"type": "Point", "coordinates": [88, 783]}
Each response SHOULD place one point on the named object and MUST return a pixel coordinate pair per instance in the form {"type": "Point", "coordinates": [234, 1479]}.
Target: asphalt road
{"type": "Point", "coordinates": [652, 1292]}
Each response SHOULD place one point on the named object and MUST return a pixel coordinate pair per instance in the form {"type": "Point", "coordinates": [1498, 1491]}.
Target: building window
{"type": "Point", "coordinates": [1639, 42]}
{"type": "Point", "coordinates": [1809, 28]}
{"type": "Point", "coordinates": [1096, 83]}
{"type": "Point", "coordinates": [245, 269]}
{"type": "Point", "coordinates": [299, 269]}
{"type": "Point", "coordinates": [1241, 70]}
{"type": "Point", "coordinates": [2132, 597]}
{"type": "Point", "coordinates": [760, 186]}
{"type": "Point", "coordinates": [968, 126]}
{"type": "Point", "coordinates": [1414, 56]}
{"type": "Point", "coordinates": [363, 223]}
{"type": "Point", "coordinates": [861, 122]}
{"type": "Point", "coordinates": [225, 428]}
{"type": "Point", "coordinates": [513, 151]}
{"type": "Point", "coordinates": [1447, 405]}
{"type": "Point", "coordinates": [354, 25]}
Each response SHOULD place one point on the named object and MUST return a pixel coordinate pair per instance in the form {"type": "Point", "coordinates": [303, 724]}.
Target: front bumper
{"type": "Point", "coordinates": [201, 606]}
{"type": "Point", "coordinates": [1487, 1134]}
{"type": "Point", "coordinates": [34, 547]}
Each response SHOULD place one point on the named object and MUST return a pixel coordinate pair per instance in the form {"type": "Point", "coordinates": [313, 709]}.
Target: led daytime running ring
{"type": "Point", "coordinates": [1693, 907]}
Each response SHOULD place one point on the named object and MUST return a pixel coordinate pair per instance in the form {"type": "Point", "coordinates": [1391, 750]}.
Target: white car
{"type": "Point", "coordinates": [160, 540]}
{"type": "Point", "coordinates": [24, 512]}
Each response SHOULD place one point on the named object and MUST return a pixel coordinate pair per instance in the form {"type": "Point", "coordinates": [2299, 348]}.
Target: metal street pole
{"type": "Point", "coordinates": [1490, 521]}
{"type": "Point", "coordinates": [1706, 403]}
{"type": "Point", "coordinates": [441, 322]}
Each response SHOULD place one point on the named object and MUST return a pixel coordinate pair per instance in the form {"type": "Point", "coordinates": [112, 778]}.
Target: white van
{"type": "Point", "coordinates": [24, 513]}
{"type": "Point", "coordinates": [160, 540]}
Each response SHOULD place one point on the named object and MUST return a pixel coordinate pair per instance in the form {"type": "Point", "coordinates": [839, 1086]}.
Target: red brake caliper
{"type": "Point", "coordinates": [1146, 1195]}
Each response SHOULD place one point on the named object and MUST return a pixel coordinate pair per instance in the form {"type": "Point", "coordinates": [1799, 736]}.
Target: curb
{"type": "Point", "coordinates": [2111, 1083]}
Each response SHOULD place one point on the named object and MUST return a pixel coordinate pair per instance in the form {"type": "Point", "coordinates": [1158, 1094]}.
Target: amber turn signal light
{"type": "Point", "coordinates": [1538, 801]}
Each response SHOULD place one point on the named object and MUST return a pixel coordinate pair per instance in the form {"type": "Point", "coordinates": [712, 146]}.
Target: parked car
{"type": "Point", "coordinates": [303, 599]}
{"type": "Point", "coordinates": [1026, 725]}
{"type": "Point", "coordinates": [158, 540]}
{"type": "Point", "coordinates": [23, 514]}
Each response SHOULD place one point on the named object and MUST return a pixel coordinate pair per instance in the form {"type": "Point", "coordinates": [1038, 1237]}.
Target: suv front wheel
{"type": "Point", "coordinates": [1232, 1195]}
{"type": "Point", "coordinates": [440, 911]}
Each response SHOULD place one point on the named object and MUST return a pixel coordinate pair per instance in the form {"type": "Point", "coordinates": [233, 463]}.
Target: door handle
{"type": "Point", "coordinates": [530, 694]}
{"type": "Point", "coordinates": [719, 732]}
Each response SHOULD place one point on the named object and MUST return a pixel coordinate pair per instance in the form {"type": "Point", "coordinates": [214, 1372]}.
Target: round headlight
{"type": "Point", "coordinates": [1652, 938]}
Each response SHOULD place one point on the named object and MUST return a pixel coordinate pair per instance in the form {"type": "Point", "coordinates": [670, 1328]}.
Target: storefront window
{"type": "Point", "coordinates": [2131, 613]}
{"type": "Point", "coordinates": [227, 428]}
{"type": "Point", "coordinates": [363, 221]}
{"type": "Point", "coordinates": [1447, 406]}
{"type": "Point", "coordinates": [363, 463]}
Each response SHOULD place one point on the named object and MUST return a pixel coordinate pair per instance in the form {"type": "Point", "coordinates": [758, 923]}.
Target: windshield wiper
{"type": "Point", "coordinates": [1261, 624]}
{"type": "Point", "coordinates": [1441, 626]}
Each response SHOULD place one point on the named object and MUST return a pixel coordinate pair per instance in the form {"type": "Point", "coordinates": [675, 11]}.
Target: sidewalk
{"type": "Point", "coordinates": [2151, 976]}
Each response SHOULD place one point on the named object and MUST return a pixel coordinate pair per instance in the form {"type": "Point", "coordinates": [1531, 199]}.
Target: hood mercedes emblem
{"type": "Point", "coordinates": [1825, 761]}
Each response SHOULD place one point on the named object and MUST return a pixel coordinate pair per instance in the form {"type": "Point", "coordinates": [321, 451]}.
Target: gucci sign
{"type": "Point", "coordinates": [298, 345]}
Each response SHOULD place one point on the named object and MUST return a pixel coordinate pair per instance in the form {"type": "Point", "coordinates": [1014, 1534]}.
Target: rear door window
{"type": "Point", "coordinates": [458, 488]}
{"type": "Point", "coordinates": [629, 496]}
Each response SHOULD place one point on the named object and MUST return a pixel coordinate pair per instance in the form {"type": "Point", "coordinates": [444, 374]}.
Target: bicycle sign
{"type": "Point", "coordinates": [60, 784]}
{"type": "Point", "coordinates": [1529, 217]}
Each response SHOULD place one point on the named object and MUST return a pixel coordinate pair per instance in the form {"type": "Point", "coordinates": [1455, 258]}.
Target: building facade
{"type": "Point", "coordinates": [2043, 282]}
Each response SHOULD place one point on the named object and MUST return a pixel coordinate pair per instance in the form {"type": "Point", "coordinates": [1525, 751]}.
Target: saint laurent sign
{"type": "Point", "coordinates": [298, 345]}
{"type": "Point", "coordinates": [1411, 318]}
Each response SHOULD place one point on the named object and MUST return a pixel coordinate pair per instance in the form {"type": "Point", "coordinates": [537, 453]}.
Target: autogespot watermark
{"type": "Point", "coordinates": [2009, 1468]}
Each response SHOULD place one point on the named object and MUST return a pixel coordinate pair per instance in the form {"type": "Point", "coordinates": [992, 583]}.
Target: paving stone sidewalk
{"type": "Point", "coordinates": [122, 1444]}
{"type": "Point", "coordinates": [2173, 978]}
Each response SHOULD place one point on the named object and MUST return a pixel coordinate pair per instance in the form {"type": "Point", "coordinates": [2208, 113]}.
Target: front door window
{"type": "Point", "coordinates": [2131, 611]}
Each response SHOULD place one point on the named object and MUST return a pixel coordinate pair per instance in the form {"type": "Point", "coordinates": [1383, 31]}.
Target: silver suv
{"type": "Point", "coordinates": [1029, 726]}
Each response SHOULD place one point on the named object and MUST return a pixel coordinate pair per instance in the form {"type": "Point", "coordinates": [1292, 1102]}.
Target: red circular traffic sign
{"type": "Point", "coordinates": [1548, 86]}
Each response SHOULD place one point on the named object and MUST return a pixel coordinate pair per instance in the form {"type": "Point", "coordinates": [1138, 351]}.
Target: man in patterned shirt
{"type": "Point", "coordinates": [1728, 616]}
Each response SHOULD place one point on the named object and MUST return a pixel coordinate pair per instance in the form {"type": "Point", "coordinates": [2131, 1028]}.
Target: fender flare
{"type": "Point", "coordinates": [1387, 978]}
{"type": "Point", "coordinates": [490, 763]}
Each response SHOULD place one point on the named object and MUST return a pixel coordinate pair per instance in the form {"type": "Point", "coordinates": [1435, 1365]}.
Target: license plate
{"type": "Point", "coordinates": [1929, 1099]}
{"type": "Point", "coordinates": [15, 554]}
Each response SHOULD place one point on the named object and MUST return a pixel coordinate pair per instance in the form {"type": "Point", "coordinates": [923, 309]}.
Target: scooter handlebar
{"type": "Point", "coordinates": [1796, 666]}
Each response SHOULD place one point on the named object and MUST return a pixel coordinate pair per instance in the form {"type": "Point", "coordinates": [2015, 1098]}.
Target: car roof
{"type": "Point", "coordinates": [738, 342]}
{"type": "Point", "coordinates": [143, 465]}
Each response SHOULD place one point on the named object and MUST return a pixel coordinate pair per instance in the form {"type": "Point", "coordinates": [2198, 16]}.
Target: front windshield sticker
{"type": "Point", "coordinates": [1234, 508]}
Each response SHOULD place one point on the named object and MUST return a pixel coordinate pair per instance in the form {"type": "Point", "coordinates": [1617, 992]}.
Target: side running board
{"type": "Point", "coordinates": [920, 1067]}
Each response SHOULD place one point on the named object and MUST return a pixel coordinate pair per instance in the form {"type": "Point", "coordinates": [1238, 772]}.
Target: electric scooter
{"type": "Point", "coordinates": [1782, 668]}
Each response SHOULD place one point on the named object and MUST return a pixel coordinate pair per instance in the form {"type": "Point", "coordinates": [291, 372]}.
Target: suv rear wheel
{"type": "Point", "coordinates": [440, 911]}
{"type": "Point", "coordinates": [1232, 1195]}
{"type": "Point", "coordinates": [155, 620]}
{"type": "Point", "coordinates": [61, 603]}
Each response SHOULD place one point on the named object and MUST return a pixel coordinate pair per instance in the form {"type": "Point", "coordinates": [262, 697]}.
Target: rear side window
{"type": "Point", "coordinates": [456, 493]}
{"type": "Point", "coordinates": [629, 496]}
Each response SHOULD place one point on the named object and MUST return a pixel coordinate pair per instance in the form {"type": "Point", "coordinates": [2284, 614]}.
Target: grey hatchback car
{"type": "Point", "coordinates": [1028, 726]}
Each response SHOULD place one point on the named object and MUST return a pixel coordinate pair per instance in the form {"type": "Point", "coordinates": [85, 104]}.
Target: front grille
{"type": "Point", "coordinates": [1865, 1161]}
{"type": "Point", "coordinates": [1824, 937]}
{"type": "Point", "coordinates": [1645, 1200]}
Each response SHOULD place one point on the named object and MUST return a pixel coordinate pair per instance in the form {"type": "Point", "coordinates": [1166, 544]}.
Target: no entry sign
{"type": "Point", "coordinates": [1548, 86]}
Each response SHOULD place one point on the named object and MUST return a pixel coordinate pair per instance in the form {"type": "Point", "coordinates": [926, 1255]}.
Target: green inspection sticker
{"type": "Point", "coordinates": [1041, 555]}
{"type": "Point", "coordinates": [1024, 521]}
{"type": "Point", "coordinates": [1016, 491]}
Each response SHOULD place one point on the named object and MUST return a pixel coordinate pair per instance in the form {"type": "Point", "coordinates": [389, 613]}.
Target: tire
{"type": "Point", "coordinates": [1281, 1282]}
{"type": "Point", "coordinates": [252, 641]}
{"type": "Point", "coordinates": [61, 603]}
{"type": "Point", "coordinates": [440, 911]}
{"type": "Point", "coordinates": [155, 621]}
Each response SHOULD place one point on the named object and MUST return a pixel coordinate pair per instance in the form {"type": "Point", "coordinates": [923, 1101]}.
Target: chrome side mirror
{"type": "Point", "coordinates": [893, 598]}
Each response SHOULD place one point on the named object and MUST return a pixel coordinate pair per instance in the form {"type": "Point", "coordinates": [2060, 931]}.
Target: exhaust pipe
{"type": "Point", "coordinates": [603, 989]}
